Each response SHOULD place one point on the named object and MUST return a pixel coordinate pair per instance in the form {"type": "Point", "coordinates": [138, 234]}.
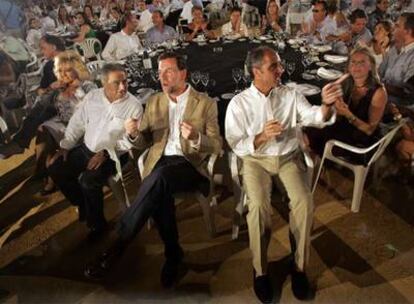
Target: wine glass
{"type": "Point", "coordinates": [237, 76]}
{"type": "Point", "coordinates": [306, 61]}
{"type": "Point", "coordinates": [205, 78]}
{"type": "Point", "coordinates": [195, 78]}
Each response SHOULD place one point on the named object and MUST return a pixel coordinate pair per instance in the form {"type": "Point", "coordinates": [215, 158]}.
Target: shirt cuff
{"type": "Point", "coordinates": [320, 119]}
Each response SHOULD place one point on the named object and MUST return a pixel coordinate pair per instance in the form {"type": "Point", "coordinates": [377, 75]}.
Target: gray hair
{"type": "Point", "coordinates": [255, 58]}
{"type": "Point", "coordinates": [109, 68]}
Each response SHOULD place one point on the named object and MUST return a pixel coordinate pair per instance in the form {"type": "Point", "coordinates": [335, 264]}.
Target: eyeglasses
{"type": "Point", "coordinates": [316, 11]}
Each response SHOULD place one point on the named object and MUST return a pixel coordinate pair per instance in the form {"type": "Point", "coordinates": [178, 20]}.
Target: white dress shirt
{"type": "Point", "coordinates": [175, 115]}
{"type": "Point", "coordinates": [227, 30]}
{"type": "Point", "coordinates": [145, 21]}
{"type": "Point", "coordinates": [121, 45]}
{"type": "Point", "coordinates": [101, 123]}
{"type": "Point", "coordinates": [248, 112]}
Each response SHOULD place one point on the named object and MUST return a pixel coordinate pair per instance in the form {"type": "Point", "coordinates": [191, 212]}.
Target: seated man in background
{"type": "Point", "coordinates": [44, 107]}
{"type": "Point", "coordinates": [81, 171]}
{"type": "Point", "coordinates": [160, 32]}
{"type": "Point", "coordinates": [318, 25]}
{"type": "Point", "coordinates": [180, 127]}
{"type": "Point", "coordinates": [359, 32]}
{"type": "Point", "coordinates": [397, 69]}
{"type": "Point", "coordinates": [125, 42]}
{"type": "Point", "coordinates": [145, 17]}
{"type": "Point", "coordinates": [235, 28]}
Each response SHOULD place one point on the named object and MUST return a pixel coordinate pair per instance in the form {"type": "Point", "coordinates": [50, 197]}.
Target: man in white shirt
{"type": "Point", "coordinates": [125, 42]}
{"type": "Point", "coordinates": [145, 17]}
{"type": "Point", "coordinates": [180, 127]}
{"type": "Point", "coordinates": [82, 170]}
{"type": "Point", "coordinates": [261, 128]}
{"type": "Point", "coordinates": [318, 26]}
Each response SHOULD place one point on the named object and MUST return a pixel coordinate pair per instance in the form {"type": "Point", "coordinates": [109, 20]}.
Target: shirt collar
{"type": "Point", "coordinates": [256, 92]}
{"type": "Point", "coordinates": [183, 96]}
{"type": "Point", "coordinates": [116, 101]}
{"type": "Point", "coordinates": [407, 48]}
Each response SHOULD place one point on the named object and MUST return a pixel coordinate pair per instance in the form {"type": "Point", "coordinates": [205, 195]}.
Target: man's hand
{"type": "Point", "coordinates": [61, 152]}
{"type": "Point", "coordinates": [188, 131]}
{"type": "Point", "coordinates": [131, 127]}
{"type": "Point", "coordinates": [96, 161]}
{"type": "Point", "coordinates": [271, 130]}
{"type": "Point", "coordinates": [342, 108]}
{"type": "Point", "coordinates": [333, 90]}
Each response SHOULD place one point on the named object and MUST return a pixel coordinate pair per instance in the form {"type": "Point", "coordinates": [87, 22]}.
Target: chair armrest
{"type": "Point", "coordinates": [211, 163]}
{"type": "Point", "coordinates": [336, 143]}
{"type": "Point", "coordinates": [141, 160]}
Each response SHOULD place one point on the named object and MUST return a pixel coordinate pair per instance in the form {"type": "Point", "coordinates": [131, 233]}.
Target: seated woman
{"type": "Point", "coordinates": [380, 45]}
{"type": "Point", "coordinates": [235, 28]}
{"type": "Point", "coordinates": [359, 110]}
{"type": "Point", "coordinates": [64, 20]}
{"type": "Point", "coordinates": [270, 22]}
{"type": "Point", "coordinates": [73, 77]}
{"type": "Point", "coordinates": [93, 19]}
{"type": "Point", "coordinates": [198, 26]}
{"type": "Point", "coordinates": [86, 30]}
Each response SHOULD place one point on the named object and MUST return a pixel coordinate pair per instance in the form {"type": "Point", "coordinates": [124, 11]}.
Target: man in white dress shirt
{"type": "Point", "coordinates": [145, 17]}
{"type": "Point", "coordinates": [261, 124]}
{"type": "Point", "coordinates": [125, 42]}
{"type": "Point", "coordinates": [186, 13]}
{"type": "Point", "coordinates": [82, 170]}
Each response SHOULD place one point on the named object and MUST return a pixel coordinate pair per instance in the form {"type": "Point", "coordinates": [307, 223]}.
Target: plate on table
{"type": "Point", "coordinates": [242, 39]}
{"type": "Point", "coordinates": [308, 76]}
{"type": "Point", "coordinates": [264, 38]}
{"type": "Point", "coordinates": [227, 96]}
{"type": "Point", "coordinates": [322, 48]}
{"type": "Point", "coordinates": [337, 59]}
{"type": "Point", "coordinates": [255, 41]}
{"type": "Point", "coordinates": [329, 74]}
{"type": "Point", "coordinates": [322, 64]}
{"type": "Point", "coordinates": [304, 88]}
{"type": "Point", "coordinates": [213, 40]}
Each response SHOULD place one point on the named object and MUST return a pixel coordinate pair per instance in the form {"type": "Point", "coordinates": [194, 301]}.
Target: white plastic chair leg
{"type": "Point", "coordinates": [318, 175]}
{"type": "Point", "coordinates": [360, 176]}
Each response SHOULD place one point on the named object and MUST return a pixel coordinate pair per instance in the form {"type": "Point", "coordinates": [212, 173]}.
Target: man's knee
{"type": "Point", "coordinates": [89, 181]}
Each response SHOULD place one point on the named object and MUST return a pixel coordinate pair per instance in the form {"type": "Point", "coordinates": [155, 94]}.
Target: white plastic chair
{"type": "Point", "coordinates": [88, 49]}
{"type": "Point", "coordinates": [207, 204]}
{"type": "Point", "coordinates": [95, 67]}
{"type": "Point", "coordinates": [5, 134]}
{"type": "Point", "coordinates": [360, 171]}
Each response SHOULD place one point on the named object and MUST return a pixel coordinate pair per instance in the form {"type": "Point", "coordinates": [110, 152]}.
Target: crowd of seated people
{"type": "Point", "coordinates": [82, 132]}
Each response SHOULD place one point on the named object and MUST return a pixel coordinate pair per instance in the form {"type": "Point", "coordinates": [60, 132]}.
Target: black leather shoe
{"type": "Point", "coordinates": [300, 285]}
{"type": "Point", "coordinates": [263, 288]}
{"type": "Point", "coordinates": [99, 268]}
{"type": "Point", "coordinates": [170, 273]}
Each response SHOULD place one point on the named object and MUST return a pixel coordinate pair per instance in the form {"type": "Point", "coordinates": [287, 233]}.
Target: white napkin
{"type": "Point", "coordinates": [335, 58]}
{"type": "Point", "coordinates": [329, 74]}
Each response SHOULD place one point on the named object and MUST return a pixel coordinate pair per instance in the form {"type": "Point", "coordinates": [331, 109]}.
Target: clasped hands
{"type": "Point", "coordinates": [188, 131]}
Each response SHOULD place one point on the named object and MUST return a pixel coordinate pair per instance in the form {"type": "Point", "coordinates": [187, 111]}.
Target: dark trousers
{"type": "Point", "coordinates": [83, 187]}
{"type": "Point", "coordinates": [42, 111]}
{"type": "Point", "coordinates": [172, 174]}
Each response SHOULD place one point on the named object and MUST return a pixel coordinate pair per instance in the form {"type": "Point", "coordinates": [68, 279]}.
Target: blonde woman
{"type": "Point", "coordinates": [359, 110]}
{"type": "Point", "coordinates": [270, 22]}
{"type": "Point", "coordinates": [74, 82]}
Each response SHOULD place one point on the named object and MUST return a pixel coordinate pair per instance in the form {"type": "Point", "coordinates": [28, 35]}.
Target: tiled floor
{"type": "Point", "coordinates": [364, 257]}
